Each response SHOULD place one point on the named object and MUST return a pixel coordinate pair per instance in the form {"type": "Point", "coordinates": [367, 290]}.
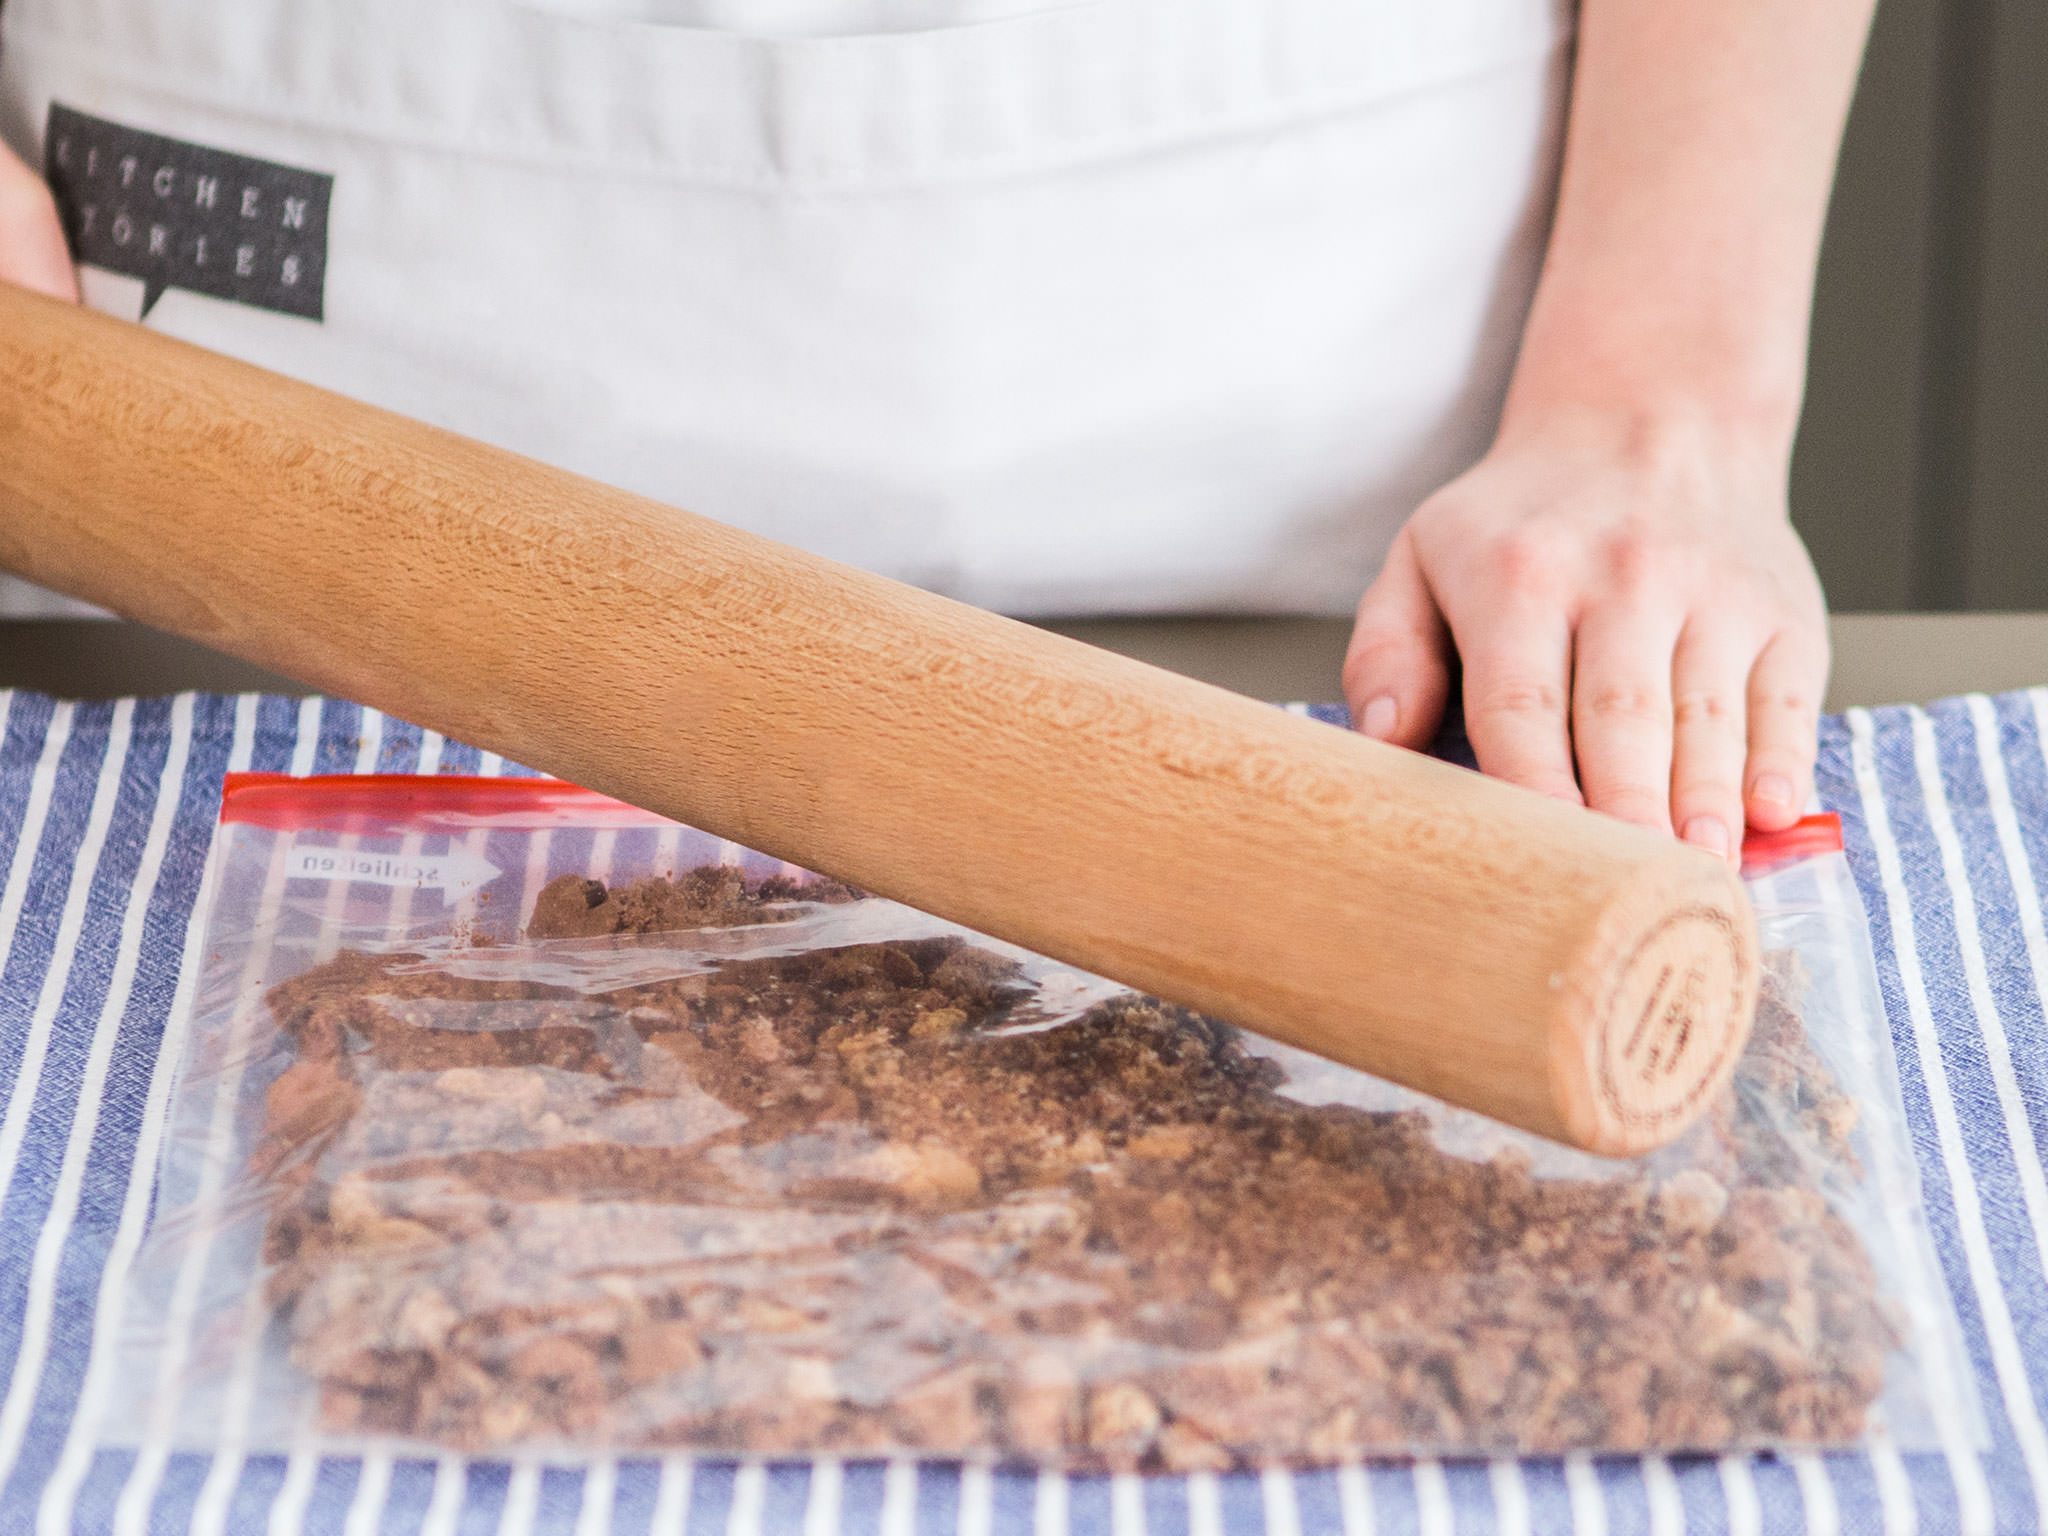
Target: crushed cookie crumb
{"type": "Point", "coordinates": [825, 1204]}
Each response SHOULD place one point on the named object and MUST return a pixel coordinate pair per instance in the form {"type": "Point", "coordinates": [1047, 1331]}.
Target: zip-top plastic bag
{"type": "Point", "coordinates": [510, 1116]}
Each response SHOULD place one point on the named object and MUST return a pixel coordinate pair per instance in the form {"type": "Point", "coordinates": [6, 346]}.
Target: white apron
{"type": "Point", "coordinates": [1108, 306]}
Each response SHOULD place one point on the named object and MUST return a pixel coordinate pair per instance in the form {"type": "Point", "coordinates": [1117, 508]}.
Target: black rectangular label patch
{"type": "Point", "coordinates": [180, 215]}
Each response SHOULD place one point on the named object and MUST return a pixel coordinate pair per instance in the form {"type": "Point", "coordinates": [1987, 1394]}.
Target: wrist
{"type": "Point", "coordinates": [1735, 373]}
{"type": "Point", "coordinates": [1681, 449]}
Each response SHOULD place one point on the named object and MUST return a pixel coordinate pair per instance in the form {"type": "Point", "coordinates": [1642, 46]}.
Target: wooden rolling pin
{"type": "Point", "coordinates": [1553, 968]}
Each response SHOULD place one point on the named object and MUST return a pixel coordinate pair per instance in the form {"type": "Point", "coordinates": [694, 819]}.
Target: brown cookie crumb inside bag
{"type": "Point", "coordinates": [845, 1201]}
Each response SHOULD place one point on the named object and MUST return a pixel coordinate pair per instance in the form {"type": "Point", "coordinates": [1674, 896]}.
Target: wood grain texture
{"type": "Point", "coordinates": [1557, 969]}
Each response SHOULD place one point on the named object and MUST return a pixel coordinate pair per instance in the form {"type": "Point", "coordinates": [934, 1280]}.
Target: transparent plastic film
{"type": "Point", "coordinates": [514, 1118]}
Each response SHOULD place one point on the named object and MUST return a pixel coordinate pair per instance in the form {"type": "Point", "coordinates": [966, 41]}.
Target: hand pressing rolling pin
{"type": "Point", "coordinates": [1639, 627]}
{"type": "Point", "coordinates": [1070, 356]}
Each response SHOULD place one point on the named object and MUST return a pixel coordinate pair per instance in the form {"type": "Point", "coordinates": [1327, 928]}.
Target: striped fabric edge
{"type": "Point", "coordinates": [106, 816]}
{"type": "Point", "coordinates": [118, 966]}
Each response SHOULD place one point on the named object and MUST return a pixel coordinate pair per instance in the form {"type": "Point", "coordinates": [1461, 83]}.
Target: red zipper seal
{"type": "Point", "coordinates": [1807, 838]}
{"type": "Point", "coordinates": [403, 802]}
{"type": "Point", "coordinates": [386, 802]}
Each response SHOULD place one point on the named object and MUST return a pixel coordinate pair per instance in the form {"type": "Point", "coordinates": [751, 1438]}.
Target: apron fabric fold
{"type": "Point", "coordinates": [1111, 306]}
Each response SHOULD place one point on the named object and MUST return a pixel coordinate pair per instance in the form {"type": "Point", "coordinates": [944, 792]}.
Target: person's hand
{"type": "Point", "coordinates": [1638, 624]}
{"type": "Point", "coordinates": [32, 250]}
{"type": "Point", "coordinates": [1640, 628]}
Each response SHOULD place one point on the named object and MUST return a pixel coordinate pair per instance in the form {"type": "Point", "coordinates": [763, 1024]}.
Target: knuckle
{"type": "Point", "coordinates": [1706, 708]}
{"type": "Point", "coordinates": [1369, 649]}
{"type": "Point", "coordinates": [1622, 703]}
{"type": "Point", "coordinates": [1373, 659]}
{"type": "Point", "coordinates": [1633, 559]}
{"type": "Point", "coordinates": [1516, 698]}
{"type": "Point", "coordinates": [1795, 702]}
{"type": "Point", "coordinates": [1379, 646]}
{"type": "Point", "coordinates": [1527, 564]}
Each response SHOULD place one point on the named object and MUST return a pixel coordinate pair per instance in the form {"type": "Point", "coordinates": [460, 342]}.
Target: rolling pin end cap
{"type": "Point", "coordinates": [1659, 1009]}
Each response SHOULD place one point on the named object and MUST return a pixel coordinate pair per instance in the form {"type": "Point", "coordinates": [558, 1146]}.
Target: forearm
{"type": "Point", "coordinates": [1699, 153]}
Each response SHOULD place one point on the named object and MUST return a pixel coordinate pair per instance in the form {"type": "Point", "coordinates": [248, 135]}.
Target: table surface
{"type": "Point", "coordinates": [1880, 658]}
{"type": "Point", "coordinates": [106, 815]}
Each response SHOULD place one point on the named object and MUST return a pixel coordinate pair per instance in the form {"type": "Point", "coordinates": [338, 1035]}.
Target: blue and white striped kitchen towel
{"type": "Point", "coordinates": [106, 812]}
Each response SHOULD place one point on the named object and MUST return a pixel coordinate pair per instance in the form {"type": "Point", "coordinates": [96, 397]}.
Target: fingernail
{"type": "Point", "coordinates": [1380, 717]}
{"type": "Point", "coordinates": [1772, 789]}
{"type": "Point", "coordinates": [1708, 832]}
